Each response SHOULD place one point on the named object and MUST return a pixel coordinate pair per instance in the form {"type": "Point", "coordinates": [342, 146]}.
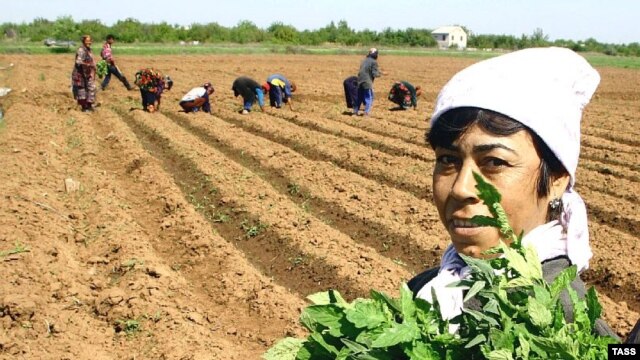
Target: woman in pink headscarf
{"type": "Point", "coordinates": [515, 120]}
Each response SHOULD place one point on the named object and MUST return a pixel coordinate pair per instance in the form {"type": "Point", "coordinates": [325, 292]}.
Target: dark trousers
{"type": "Point", "coordinates": [112, 69]}
{"type": "Point", "coordinates": [351, 91]}
{"type": "Point", "coordinates": [275, 96]}
{"type": "Point", "coordinates": [149, 98]}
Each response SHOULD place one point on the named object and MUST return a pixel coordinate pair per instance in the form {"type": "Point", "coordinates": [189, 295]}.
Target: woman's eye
{"type": "Point", "coordinates": [446, 160]}
{"type": "Point", "coordinates": [495, 162]}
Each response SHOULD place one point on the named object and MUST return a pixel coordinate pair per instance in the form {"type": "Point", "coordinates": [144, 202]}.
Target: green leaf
{"type": "Point", "coordinates": [396, 334]}
{"type": "Point", "coordinates": [484, 221]}
{"type": "Point", "coordinates": [487, 192]}
{"type": "Point", "coordinates": [518, 282]}
{"type": "Point", "coordinates": [477, 286]}
{"type": "Point", "coordinates": [285, 349]}
{"type": "Point", "coordinates": [501, 354]}
{"type": "Point", "coordinates": [320, 340]}
{"type": "Point", "coordinates": [384, 298]}
{"type": "Point", "coordinates": [422, 351]}
{"type": "Point", "coordinates": [594, 309]}
{"type": "Point", "coordinates": [407, 305]}
{"type": "Point", "coordinates": [481, 317]}
{"type": "Point", "coordinates": [328, 316]}
{"type": "Point", "coordinates": [523, 350]}
{"type": "Point", "coordinates": [327, 297]}
{"type": "Point", "coordinates": [481, 267]}
{"type": "Point", "coordinates": [479, 339]}
{"type": "Point", "coordinates": [542, 295]}
{"type": "Point", "coordinates": [538, 313]}
{"type": "Point", "coordinates": [355, 347]}
{"type": "Point", "coordinates": [563, 280]}
{"type": "Point", "coordinates": [492, 307]}
{"type": "Point", "coordinates": [520, 264]}
{"type": "Point", "coordinates": [366, 313]}
{"type": "Point", "coordinates": [558, 345]}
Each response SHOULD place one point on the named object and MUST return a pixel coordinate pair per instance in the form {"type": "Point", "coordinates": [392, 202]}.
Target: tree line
{"type": "Point", "coordinates": [131, 31]}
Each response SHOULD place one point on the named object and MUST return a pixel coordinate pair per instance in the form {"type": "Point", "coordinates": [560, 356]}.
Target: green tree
{"type": "Point", "coordinates": [128, 30]}
{"type": "Point", "coordinates": [64, 28]}
{"type": "Point", "coordinates": [246, 32]}
{"type": "Point", "coordinates": [284, 34]}
{"type": "Point", "coordinates": [38, 30]}
{"type": "Point", "coordinates": [95, 28]}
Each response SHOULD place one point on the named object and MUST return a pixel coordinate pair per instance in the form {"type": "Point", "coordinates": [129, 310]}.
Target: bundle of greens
{"type": "Point", "coordinates": [101, 68]}
{"type": "Point", "coordinates": [521, 315]}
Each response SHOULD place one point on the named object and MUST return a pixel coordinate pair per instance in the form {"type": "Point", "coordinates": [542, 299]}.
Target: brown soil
{"type": "Point", "coordinates": [192, 236]}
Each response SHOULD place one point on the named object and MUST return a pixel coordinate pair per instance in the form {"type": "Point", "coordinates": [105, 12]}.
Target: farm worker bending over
{"type": "Point", "coordinates": [280, 90]}
{"type": "Point", "coordinates": [350, 85]}
{"type": "Point", "coordinates": [405, 95]}
{"type": "Point", "coordinates": [198, 98]}
{"type": "Point", "coordinates": [83, 77]}
{"type": "Point", "coordinates": [250, 91]}
{"type": "Point", "coordinates": [151, 84]}
{"type": "Point", "coordinates": [515, 120]}
{"type": "Point", "coordinates": [112, 68]}
{"type": "Point", "coordinates": [368, 72]}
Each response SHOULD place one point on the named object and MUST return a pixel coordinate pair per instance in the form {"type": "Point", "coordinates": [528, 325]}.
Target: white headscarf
{"type": "Point", "coordinates": [546, 90]}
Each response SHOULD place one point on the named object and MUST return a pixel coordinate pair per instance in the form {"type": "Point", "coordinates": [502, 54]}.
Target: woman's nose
{"type": "Point", "coordinates": [464, 186]}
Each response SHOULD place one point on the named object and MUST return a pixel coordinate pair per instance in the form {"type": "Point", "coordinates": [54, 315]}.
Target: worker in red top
{"type": "Point", "coordinates": [112, 68]}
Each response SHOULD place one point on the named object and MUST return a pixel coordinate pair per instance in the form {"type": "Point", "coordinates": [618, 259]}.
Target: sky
{"type": "Point", "coordinates": [608, 21]}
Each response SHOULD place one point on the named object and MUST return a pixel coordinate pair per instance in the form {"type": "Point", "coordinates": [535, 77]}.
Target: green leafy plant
{"type": "Point", "coordinates": [17, 249]}
{"type": "Point", "coordinates": [101, 69]}
{"type": "Point", "coordinates": [129, 326]}
{"type": "Point", "coordinates": [519, 316]}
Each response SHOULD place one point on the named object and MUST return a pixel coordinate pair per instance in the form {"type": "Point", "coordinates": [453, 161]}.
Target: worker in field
{"type": "Point", "coordinates": [83, 77]}
{"type": "Point", "coordinates": [367, 74]}
{"type": "Point", "coordinates": [405, 95]}
{"type": "Point", "coordinates": [197, 99]}
{"type": "Point", "coordinates": [280, 90]}
{"type": "Point", "coordinates": [250, 91]}
{"type": "Point", "coordinates": [151, 84]}
{"type": "Point", "coordinates": [350, 85]}
{"type": "Point", "coordinates": [112, 68]}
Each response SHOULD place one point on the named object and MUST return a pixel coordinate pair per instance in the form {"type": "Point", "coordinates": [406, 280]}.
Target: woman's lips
{"type": "Point", "coordinates": [464, 227]}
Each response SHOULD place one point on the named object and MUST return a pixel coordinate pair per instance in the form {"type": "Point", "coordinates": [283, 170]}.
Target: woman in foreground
{"type": "Point", "coordinates": [515, 120]}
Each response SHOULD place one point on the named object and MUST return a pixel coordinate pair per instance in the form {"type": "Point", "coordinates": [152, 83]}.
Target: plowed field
{"type": "Point", "coordinates": [197, 236]}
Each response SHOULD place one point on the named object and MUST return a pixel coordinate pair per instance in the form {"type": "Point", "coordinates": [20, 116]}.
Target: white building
{"type": "Point", "coordinates": [450, 36]}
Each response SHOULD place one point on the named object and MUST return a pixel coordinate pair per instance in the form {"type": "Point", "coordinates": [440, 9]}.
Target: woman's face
{"type": "Point", "coordinates": [87, 41]}
{"type": "Point", "coordinates": [511, 163]}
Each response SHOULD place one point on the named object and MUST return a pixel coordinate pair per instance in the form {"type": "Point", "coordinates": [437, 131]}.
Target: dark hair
{"type": "Point", "coordinates": [110, 37]}
{"type": "Point", "coordinates": [453, 123]}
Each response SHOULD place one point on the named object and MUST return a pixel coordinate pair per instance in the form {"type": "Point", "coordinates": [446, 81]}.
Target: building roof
{"type": "Point", "coordinates": [447, 29]}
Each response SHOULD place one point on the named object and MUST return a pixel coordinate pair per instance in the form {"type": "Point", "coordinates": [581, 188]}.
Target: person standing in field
{"type": "Point", "coordinates": [250, 91]}
{"type": "Point", "coordinates": [350, 85]}
{"type": "Point", "coordinates": [151, 84]}
{"type": "Point", "coordinates": [405, 95]}
{"type": "Point", "coordinates": [83, 77]}
{"type": "Point", "coordinates": [198, 99]}
{"type": "Point", "coordinates": [367, 74]}
{"type": "Point", "coordinates": [112, 68]}
{"type": "Point", "coordinates": [280, 90]}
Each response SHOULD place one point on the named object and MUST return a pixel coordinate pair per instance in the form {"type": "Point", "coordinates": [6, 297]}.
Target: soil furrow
{"type": "Point", "coordinates": [396, 146]}
{"type": "Point", "coordinates": [275, 257]}
{"type": "Point", "coordinates": [630, 140]}
{"type": "Point", "coordinates": [345, 201]}
{"type": "Point", "coordinates": [316, 263]}
{"type": "Point", "coordinates": [174, 244]}
{"type": "Point", "coordinates": [401, 173]}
